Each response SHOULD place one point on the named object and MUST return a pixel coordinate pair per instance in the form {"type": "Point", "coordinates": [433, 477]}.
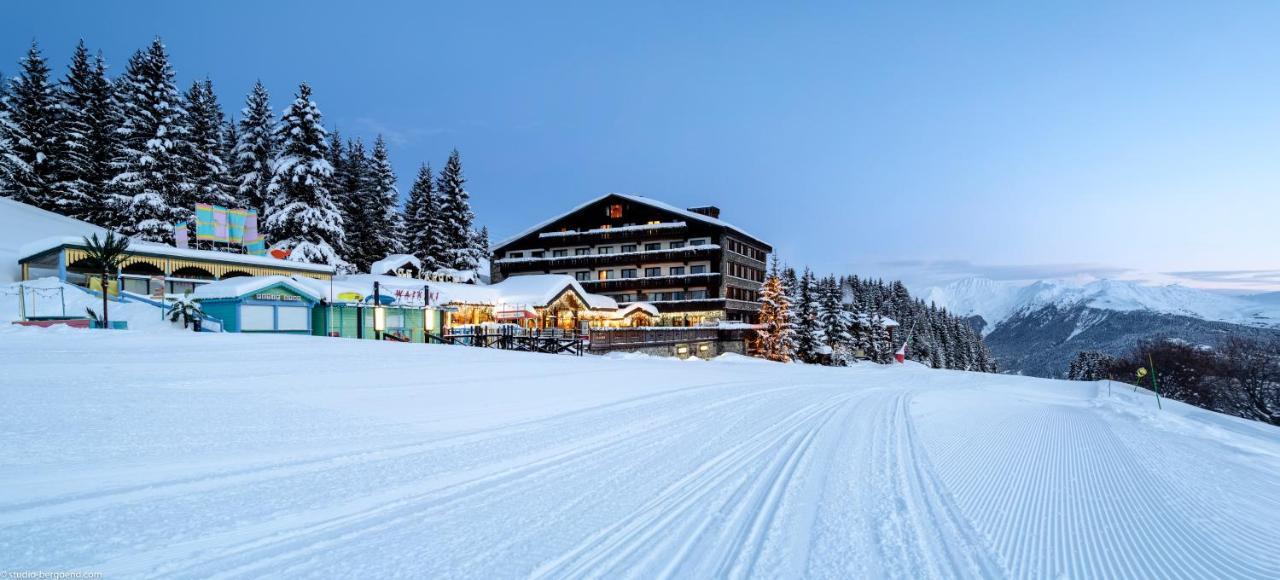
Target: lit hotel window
{"type": "Point", "coordinates": [615, 211]}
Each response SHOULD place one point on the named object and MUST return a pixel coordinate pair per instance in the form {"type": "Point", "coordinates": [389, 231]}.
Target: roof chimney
{"type": "Point", "coordinates": [710, 211]}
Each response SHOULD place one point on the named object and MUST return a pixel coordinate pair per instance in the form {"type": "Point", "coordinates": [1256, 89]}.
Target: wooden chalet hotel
{"type": "Point", "coordinates": [689, 264]}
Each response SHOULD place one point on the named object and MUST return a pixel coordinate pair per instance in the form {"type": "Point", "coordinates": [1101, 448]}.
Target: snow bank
{"type": "Point", "coordinates": [49, 297]}
{"type": "Point", "coordinates": [20, 224]}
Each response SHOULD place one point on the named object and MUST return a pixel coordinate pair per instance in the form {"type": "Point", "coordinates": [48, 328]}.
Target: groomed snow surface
{"type": "Point", "coordinates": [207, 455]}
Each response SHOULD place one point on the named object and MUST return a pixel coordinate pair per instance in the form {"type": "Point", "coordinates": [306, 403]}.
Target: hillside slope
{"type": "Point", "coordinates": [184, 455]}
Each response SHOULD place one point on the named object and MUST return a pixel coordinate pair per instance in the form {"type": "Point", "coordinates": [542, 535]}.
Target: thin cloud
{"type": "Point", "coordinates": [950, 270]}
{"type": "Point", "coordinates": [395, 134]}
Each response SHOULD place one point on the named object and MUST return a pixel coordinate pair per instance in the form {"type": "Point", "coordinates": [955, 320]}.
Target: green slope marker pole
{"type": "Point", "coordinates": [1154, 383]}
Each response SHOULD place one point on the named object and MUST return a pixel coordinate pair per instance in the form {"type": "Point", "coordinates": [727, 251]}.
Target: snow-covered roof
{"type": "Point", "coordinates": [634, 307]}
{"type": "Point", "coordinates": [241, 285]}
{"type": "Point", "coordinates": [887, 322]}
{"type": "Point", "coordinates": [156, 249]}
{"type": "Point", "coordinates": [394, 262]}
{"type": "Point", "coordinates": [637, 199]}
{"type": "Point", "coordinates": [541, 289]}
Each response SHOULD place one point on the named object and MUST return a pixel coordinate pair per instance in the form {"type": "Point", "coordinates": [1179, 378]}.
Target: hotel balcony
{"type": "Point", "coordinates": [615, 284]}
{"type": "Point", "coordinates": [616, 259]}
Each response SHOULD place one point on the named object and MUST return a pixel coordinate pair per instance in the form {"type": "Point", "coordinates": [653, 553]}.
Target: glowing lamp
{"type": "Point", "coordinates": [379, 318]}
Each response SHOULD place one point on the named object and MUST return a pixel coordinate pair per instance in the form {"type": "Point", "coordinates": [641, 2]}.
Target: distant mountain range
{"type": "Point", "coordinates": [1037, 328]}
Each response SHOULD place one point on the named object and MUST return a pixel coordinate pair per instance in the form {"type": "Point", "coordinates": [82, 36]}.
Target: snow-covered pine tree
{"type": "Point", "coordinates": [775, 341]}
{"type": "Point", "coordinates": [421, 221]}
{"type": "Point", "coordinates": [337, 154]}
{"type": "Point", "coordinates": [808, 329]}
{"type": "Point", "coordinates": [878, 348]}
{"type": "Point", "coordinates": [382, 227]}
{"type": "Point", "coordinates": [482, 243]}
{"type": "Point", "coordinates": [302, 217]}
{"type": "Point", "coordinates": [230, 138]}
{"type": "Point", "coordinates": [834, 321]}
{"type": "Point", "coordinates": [255, 152]}
{"type": "Point", "coordinates": [150, 164]}
{"type": "Point", "coordinates": [87, 138]}
{"type": "Point", "coordinates": [204, 156]}
{"type": "Point", "coordinates": [350, 202]}
{"type": "Point", "coordinates": [6, 180]}
{"type": "Point", "coordinates": [456, 217]}
{"type": "Point", "coordinates": [33, 131]}
{"type": "Point", "coordinates": [1090, 366]}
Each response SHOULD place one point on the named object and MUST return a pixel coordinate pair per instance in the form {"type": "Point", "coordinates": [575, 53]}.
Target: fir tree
{"type": "Point", "coordinates": [878, 347]}
{"type": "Point", "coordinates": [255, 152]}
{"type": "Point", "coordinates": [6, 151]}
{"type": "Point", "coordinates": [302, 217]}
{"type": "Point", "coordinates": [205, 162]}
{"type": "Point", "coordinates": [834, 321]}
{"type": "Point", "coordinates": [1091, 366]}
{"type": "Point", "coordinates": [351, 200]}
{"type": "Point", "coordinates": [230, 139]}
{"type": "Point", "coordinates": [808, 329]}
{"type": "Point", "coordinates": [88, 127]}
{"type": "Point", "coordinates": [456, 217]}
{"type": "Point", "coordinates": [32, 132]}
{"type": "Point", "coordinates": [482, 243]}
{"type": "Point", "coordinates": [155, 190]}
{"type": "Point", "coordinates": [382, 230]}
{"type": "Point", "coordinates": [421, 221]}
{"type": "Point", "coordinates": [775, 340]}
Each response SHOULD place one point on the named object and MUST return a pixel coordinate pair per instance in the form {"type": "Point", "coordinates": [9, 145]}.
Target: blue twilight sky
{"type": "Point", "coordinates": [925, 140]}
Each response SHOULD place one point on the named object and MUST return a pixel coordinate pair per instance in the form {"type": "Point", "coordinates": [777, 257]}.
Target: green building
{"type": "Point", "coordinates": [259, 304]}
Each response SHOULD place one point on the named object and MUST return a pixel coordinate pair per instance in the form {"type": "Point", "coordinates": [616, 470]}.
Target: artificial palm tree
{"type": "Point", "coordinates": [106, 256]}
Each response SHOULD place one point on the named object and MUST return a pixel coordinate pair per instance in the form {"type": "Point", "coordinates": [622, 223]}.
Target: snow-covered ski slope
{"type": "Point", "coordinates": [181, 455]}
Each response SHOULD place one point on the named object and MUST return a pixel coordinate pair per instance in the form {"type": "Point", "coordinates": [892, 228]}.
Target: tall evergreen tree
{"type": "Point", "coordinates": [351, 200]}
{"type": "Point", "coordinates": [255, 152]}
{"type": "Point", "coordinates": [88, 141]}
{"type": "Point", "coordinates": [382, 230]}
{"type": "Point", "coordinates": [808, 329]}
{"type": "Point", "coordinates": [151, 164]}
{"type": "Point", "coordinates": [456, 218]}
{"type": "Point", "coordinates": [33, 131]}
{"type": "Point", "coordinates": [421, 220]}
{"type": "Point", "coordinates": [6, 151]}
{"type": "Point", "coordinates": [482, 242]}
{"type": "Point", "coordinates": [230, 139]}
{"type": "Point", "coordinates": [775, 339]}
{"type": "Point", "coordinates": [205, 163]}
{"type": "Point", "coordinates": [302, 216]}
{"type": "Point", "coordinates": [834, 320]}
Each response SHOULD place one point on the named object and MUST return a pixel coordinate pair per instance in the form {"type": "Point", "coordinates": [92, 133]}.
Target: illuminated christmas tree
{"type": "Point", "coordinates": [776, 340]}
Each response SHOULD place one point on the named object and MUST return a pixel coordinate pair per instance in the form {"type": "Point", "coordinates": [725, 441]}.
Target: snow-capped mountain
{"type": "Point", "coordinates": [997, 301]}
{"type": "Point", "coordinates": [1038, 328]}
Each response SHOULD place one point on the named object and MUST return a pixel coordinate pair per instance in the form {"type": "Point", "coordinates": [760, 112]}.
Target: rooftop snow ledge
{"type": "Point", "coordinates": [638, 227]}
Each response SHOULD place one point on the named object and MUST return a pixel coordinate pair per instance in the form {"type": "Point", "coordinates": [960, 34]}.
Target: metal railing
{"type": "Point", "coordinates": [608, 338]}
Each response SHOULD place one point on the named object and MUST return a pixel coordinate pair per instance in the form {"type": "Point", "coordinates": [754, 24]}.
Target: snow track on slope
{"type": "Point", "coordinates": [559, 467]}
